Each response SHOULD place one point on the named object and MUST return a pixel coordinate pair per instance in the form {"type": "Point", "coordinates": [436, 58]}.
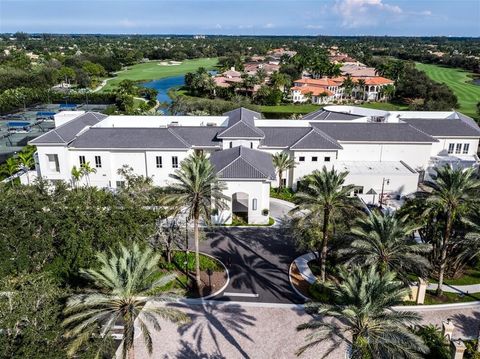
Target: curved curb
{"type": "Point", "coordinates": [459, 289]}
{"type": "Point", "coordinates": [226, 283]}
{"type": "Point", "coordinates": [305, 298]}
{"type": "Point", "coordinates": [282, 201]}
{"type": "Point", "coordinates": [303, 268]}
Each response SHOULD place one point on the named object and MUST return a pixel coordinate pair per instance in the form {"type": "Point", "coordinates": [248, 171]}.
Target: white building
{"type": "Point", "coordinates": [381, 150]}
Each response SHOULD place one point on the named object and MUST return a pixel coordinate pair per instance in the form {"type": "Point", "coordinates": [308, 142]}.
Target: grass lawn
{"type": "Point", "coordinates": [291, 108]}
{"type": "Point", "coordinates": [458, 80]}
{"type": "Point", "coordinates": [431, 298]}
{"type": "Point", "coordinates": [153, 71]}
{"type": "Point", "coordinates": [386, 106]}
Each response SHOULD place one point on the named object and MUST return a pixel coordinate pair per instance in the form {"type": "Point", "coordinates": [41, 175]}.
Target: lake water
{"type": "Point", "coordinates": [476, 82]}
{"type": "Point", "coordinates": [164, 85]}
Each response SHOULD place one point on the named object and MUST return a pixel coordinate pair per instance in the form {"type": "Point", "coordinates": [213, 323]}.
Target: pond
{"type": "Point", "coordinates": [164, 85]}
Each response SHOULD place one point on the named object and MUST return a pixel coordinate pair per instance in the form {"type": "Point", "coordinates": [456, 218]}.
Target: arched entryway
{"type": "Point", "coordinates": [240, 205]}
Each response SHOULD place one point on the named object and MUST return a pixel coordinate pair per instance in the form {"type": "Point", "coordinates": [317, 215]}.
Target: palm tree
{"type": "Point", "coordinates": [198, 189]}
{"type": "Point", "coordinates": [362, 302]}
{"type": "Point", "coordinates": [86, 170]}
{"type": "Point", "coordinates": [77, 174]}
{"type": "Point", "coordinates": [282, 162]}
{"type": "Point", "coordinates": [125, 285]}
{"type": "Point", "coordinates": [388, 91]}
{"type": "Point", "coordinates": [9, 168]}
{"type": "Point", "coordinates": [326, 196]}
{"type": "Point", "coordinates": [361, 86]}
{"type": "Point", "coordinates": [451, 196]}
{"type": "Point", "coordinates": [382, 241]}
{"type": "Point", "coordinates": [348, 85]}
{"type": "Point", "coordinates": [26, 162]}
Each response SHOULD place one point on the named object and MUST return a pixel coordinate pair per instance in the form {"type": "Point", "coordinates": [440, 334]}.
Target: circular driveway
{"type": "Point", "coordinates": [258, 259]}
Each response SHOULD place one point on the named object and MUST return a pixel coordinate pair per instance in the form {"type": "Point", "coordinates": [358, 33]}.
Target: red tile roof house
{"type": "Point", "coordinates": [328, 90]}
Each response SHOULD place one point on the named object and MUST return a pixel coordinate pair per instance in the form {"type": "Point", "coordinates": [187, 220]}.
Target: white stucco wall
{"type": "Point", "coordinates": [259, 190]}
{"type": "Point", "coordinates": [441, 147]}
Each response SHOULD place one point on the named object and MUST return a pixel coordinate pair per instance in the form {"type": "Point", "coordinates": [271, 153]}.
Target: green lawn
{"type": "Point", "coordinates": [386, 106]}
{"type": "Point", "coordinates": [459, 81]}
{"type": "Point", "coordinates": [291, 108]}
{"type": "Point", "coordinates": [154, 70]}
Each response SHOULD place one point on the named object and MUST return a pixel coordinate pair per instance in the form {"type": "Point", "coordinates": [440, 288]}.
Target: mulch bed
{"type": "Point", "coordinates": [210, 285]}
{"type": "Point", "coordinates": [298, 281]}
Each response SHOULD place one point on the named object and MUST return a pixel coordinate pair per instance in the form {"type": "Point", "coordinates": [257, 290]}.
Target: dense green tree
{"type": "Point", "coordinates": [282, 162]}
{"type": "Point", "coordinates": [362, 302]}
{"type": "Point", "coordinates": [30, 316]}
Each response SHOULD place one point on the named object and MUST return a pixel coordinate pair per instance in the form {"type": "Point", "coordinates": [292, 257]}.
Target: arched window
{"type": "Point", "coordinates": [254, 204]}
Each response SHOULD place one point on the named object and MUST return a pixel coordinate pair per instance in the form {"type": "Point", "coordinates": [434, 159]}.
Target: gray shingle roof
{"type": "Point", "coordinates": [204, 136]}
{"type": "Point", "coordinates": [65, 133]}
{"type": "Point", "coordinates": [282, 136]}
{"type": "Point", "coordinates": [373, 132]}
{"type": "Point", "coordinates": [242, 162]}
{"type": "Point", "coordinates": [107, 137]}
{"type": "Point", "coordinates": [448, 127]}
{"type": "Point", "coordinates": [316, 139]}
{"type": "Point", "coordinates": [241, 124]}
{"type": "Point", "coordinates": [323, 115]}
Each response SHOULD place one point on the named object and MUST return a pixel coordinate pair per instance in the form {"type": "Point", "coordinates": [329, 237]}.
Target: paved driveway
{"type": "Point", "coordinates": [258, 260]}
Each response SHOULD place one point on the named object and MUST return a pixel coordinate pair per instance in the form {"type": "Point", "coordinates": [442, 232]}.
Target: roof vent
{"type": "Point", "coordinates": [377, 119]}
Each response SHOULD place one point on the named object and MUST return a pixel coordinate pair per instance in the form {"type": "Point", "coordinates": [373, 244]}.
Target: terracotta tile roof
{"type": "Point", "coordinates": [320, 82]}
{"type": "Point", "coordinates": [315, 91]}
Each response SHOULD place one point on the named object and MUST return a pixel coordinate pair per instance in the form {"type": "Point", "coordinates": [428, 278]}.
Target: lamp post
{"type": "Point", "coordinates": [387, 180]}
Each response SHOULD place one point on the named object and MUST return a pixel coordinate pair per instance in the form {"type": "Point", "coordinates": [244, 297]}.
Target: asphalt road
{"type": "Point", "coordinates": [258, 260]}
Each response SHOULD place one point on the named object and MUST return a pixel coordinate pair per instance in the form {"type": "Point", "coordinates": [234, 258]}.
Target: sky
{"type": "Point", "coordinates": [246, 17]}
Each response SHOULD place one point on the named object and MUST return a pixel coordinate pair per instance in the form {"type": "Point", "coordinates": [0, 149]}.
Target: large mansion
{"type": "Point", "coordinates": [327, 90]}
{"type": "Point", "coordinates": [384, 152]}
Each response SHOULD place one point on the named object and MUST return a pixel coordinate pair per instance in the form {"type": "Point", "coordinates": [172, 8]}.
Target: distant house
{"type": "Point", "coordinates": [326, 90]}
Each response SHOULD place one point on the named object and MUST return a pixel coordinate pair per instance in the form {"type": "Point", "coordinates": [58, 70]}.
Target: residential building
{"type": "Point", "coordinates": [327, 90]}
{"type": "Point", "coordinates": [384, 152]}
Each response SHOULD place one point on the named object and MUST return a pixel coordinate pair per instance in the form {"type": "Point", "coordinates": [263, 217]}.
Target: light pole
{"type": "Point", "coordinates": [383, 186]}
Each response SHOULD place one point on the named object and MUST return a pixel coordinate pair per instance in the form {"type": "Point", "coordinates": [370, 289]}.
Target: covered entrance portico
{"type": "Point", "coordinates": [247, 174]}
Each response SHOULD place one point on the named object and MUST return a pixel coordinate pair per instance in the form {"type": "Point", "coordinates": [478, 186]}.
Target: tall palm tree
{"type": "Point", "coordinates": [198, 189]}
{"type": "Point", "coordinates": [451, 196]}
{"type": "Point", "coordinates": [382, 240]}
{"type": "Point", "coordinates": [26, 162]}
{"type": "Point", "coordinates": [348, 85]}
{"type": "Point", "coordinates": [361, 86]}
{"type": "Point", "coordinates": [86, 170]}
{"type": "Point", "coordinates": [325, 195]}
{"type": "Point", "coordinates": [125, 283]}
{"type": "Point", "coordinates": [282, 162]}
{"type": "Point", "coordinates": [362, 302]}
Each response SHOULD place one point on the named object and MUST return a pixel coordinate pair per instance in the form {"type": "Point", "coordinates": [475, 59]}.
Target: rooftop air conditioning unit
{"type": "Point", "coordinates": [173, 123]}
{"type": "Point", "coordinates": [378, 119]}
{"type": "Point", "coordinates": [211, 124]}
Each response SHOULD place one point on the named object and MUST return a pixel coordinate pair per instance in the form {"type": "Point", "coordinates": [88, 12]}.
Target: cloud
{"type": "Point", "coordinates": [359, 13]}
{"type": "Point", "coordinates": [269, 26]}
{"type": "Point", "coordinates": [314, 27]}
{"type": "Point", "coordinates": [245, 26]}
{"type": "Point", "coordinates": [127, 23]}
{"type": "Point", "coordinates": [218, 26]}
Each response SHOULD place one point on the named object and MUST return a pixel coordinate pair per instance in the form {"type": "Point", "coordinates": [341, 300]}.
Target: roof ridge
{"type": "Point", "coordinates": [301, 138]}
{"type": "Point", "coordinates": [172, 131]}
{"type": "Point", "coordinates": [326, 136]}
{"type": "Point", "coordinates": [417, 129]}
{"type": "Point", "coordinates": [248, 162]}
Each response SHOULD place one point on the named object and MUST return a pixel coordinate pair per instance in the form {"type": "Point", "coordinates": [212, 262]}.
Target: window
{"type": "Point", "coordinates": [81, 160]}
{"type": "Point", "coordinates": [301, 158]}
{"type": "Point", "coordinates": [98, 161]}
{"type": "Point", "coordinates": [458, 148]}
{"type": "Point", "coordinates": [251, 144]}
{"type": "Point", "coordinates": [53, 164]}
{"type": "Point", "coordinates": [314, 159]}
{"type": "Point", "coordinates": [466, 146]}
{"type": "Point", "coordinates": [120, 184]}
{"type": "Point", "coordinates": [451, 146]}
{"type": "Point", "coordinates": [254, 204]}
{"type": "Point", "coordinates": [358, 190]}
{"type": "Point", "coordinates": [327, 159]}
{"type": "Point", "coordinates": [231, 144]}
{"type": "Point", "coordinates": [284, 182]}
{"type": "Point", "coordinates": [158, 160]}
{"type": "Point", "coordinates": [174, 162]}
